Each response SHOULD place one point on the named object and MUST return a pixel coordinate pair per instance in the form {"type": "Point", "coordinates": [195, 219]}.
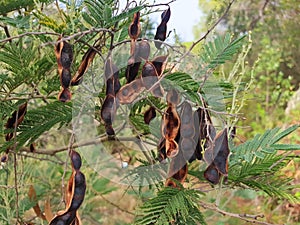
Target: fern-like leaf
{"type": "Point", "coordinates": [172, 205]}
{"type": "Point", "coordinates": [219, 50]}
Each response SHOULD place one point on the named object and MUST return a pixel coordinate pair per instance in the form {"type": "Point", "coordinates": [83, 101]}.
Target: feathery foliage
{"type": "Point", "coordinates": [172, 204]}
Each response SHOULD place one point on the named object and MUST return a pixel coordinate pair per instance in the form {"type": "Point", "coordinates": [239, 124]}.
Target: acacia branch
{"type": "Point", "coordinates": [246, 217]}
{"type": "Point", "coordinates": [28, 34]}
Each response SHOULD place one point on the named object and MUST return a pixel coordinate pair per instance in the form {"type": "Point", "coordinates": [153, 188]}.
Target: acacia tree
{"type": "Point", "coordinates": [83, 77]}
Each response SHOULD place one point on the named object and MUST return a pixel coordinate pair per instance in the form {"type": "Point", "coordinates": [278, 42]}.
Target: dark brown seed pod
{"type": "Point", "coordinates": [161, 31]}
{"type": "Point", "coordinates": [150, 78]}
{"type": "Point", "coordinates": [143, 50]}
{"type": "Point", "coordinates": [212, 174]}
{"type": "Point", "coordinates": [17, 117]}
{"type": "Point", "coordinates": [132, 71]}
{"type": "Point", "coordinates": [135, 28]}
{"type": "Point", "coordinates": [65, 95]}
{"type": "Point", "coordinates": [75, 195]}
{"type": "Point", "coordinates": [108, 109]}
{"type": "Point", "coordinates": [149, 115]}
{"type": "Point", "coordinates": [87, 59]}
{"type": "Point", "coordinates": [165, 16]}
{"type": "Point", "coordinates": [173, 97]}
{"type": "Point", "coordinates": [178, 170]}
{"type": "Point", "coordinates": [129, 92]}
{"type": "Point", "coordinates": [64, 58]}
{"type": "Point", "coordinates": [161, 148]}
{"type": "Point", "coordinates": [161, 34]}
{"type": "Point", "coordinates": [159, 63]}
{"type": "Point", "coordinates": [221, 152]}
{"type": "Point", "coordinates": [65, 78]}
{"type": "Point", "coordinates": [76, 160]}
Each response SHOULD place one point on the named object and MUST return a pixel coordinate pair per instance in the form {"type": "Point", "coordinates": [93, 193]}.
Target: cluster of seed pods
{"type": "Point", "coordinates": [192, 136]}
{"type": "Point", "coordinates": [74, 195]}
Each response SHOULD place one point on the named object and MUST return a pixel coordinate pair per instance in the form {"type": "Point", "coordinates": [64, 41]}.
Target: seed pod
{"type": "Point", "coordinates": [171, 124]}
{"type": "Point", "coordinates": [221, 152]}
{"type": "Point", "coordinates": [75, 195]}
{"type": "Point", "coordinates": [161, 31]}
{"type": "Point", "coordinates": [108, 109]}
{"type": "Point", "coordinates": [212, 174]}
{"type": "Point", "coordinates": [149, 79]}
{"type": "Point", "coordinates": [161, 148]}
{"type": "Point", "coordinates": [15, 120]}
{"type": "Point", "coordinates": [64, 58]}
{"type": "Point", "coordinates": [135, 28]}
{"type": "Point", "coordinates": [141, 52]}
{"type": "Point", "coordinates": [129, 92]}
{"type": "Point", "coordinates": [64, 95]}
{"type": "Point", "coordinates": [112, 78]}
{"type": "Point", "coordinates": [149, 115]}
{"type": "Point", "coordinates": [159, 63]}
{"type": "Point", "coordinates": [178, 170]}
{"type": "Point", "coordinates": [84, 65]}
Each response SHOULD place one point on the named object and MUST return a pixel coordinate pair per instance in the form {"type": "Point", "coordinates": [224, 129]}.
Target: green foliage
{"type": "Point", "coordinates": [172, 204]}
{"type": "Point", "coordinates": [219, 50]}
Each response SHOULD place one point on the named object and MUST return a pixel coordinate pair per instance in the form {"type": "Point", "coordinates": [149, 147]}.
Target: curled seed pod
{"type": "Point", "coordinates": [149, 115]}
{"type": "Point", "coordinates": [159, 63]}
{"type": "Point", "coordinates": [129, 92]}
{"type": "Point", "coordinates": [84, 65]}
{"type": "Point", "coordinates": [15, 120]}
{"type": "Point", "coordinates": [212, 174]}
{"type": "Point", "coordinates": [4, 158]}
{"type": "Point", "coordinates": [135, 27]}
{"type": "Point", "coordinates": [170, 125]}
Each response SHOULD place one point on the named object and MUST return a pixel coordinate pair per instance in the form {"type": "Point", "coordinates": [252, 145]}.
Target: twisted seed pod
{"type": "Point", "coordinates": [149, 115]}
{"type": "Point", "coordinates": [161, 31]}
{"type": "Point", "coordinates": [64, 58]}
{"type": "Point", "coordinates": [171, 124]}
{"type": "Point", "coordinates": [74, 196]}
{"type": "Point", "coordinates": [129, 92]}
{"type": "Point", "coordinates": [84, 65]}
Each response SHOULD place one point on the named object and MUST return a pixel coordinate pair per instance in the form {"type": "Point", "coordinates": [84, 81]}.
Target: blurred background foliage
{"type": "Point", "coordinates": [260, 82]}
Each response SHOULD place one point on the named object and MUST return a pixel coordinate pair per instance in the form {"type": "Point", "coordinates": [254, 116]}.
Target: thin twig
{"type": "Point", "coordinates": [28, 34]}
{"type": "Point", "coordinates": [245, 217]}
